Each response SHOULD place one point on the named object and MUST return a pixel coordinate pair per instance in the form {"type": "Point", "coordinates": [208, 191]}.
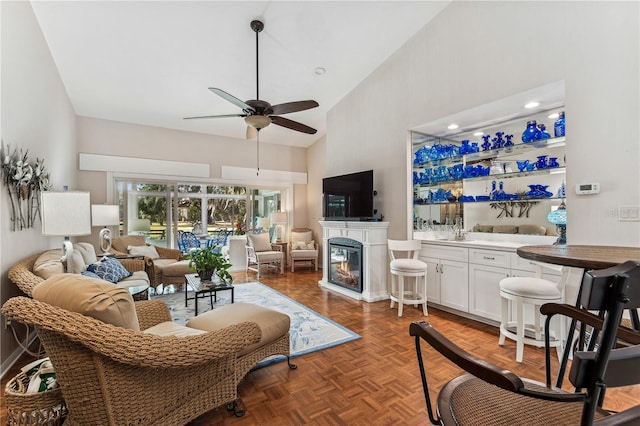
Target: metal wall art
{"type": "Point", "coordinates": [24, 182]}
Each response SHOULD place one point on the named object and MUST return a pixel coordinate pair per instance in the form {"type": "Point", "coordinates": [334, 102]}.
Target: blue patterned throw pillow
{"type": "Point", "coordinates": [109, 269]}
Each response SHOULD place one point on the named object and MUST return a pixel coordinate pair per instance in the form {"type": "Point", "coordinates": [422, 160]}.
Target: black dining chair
{"type": "Point", "coordinates": [490, 395]}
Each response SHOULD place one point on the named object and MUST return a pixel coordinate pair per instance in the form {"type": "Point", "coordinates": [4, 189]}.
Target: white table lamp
{"type": "Point", "coordinates": [279, 219]}
{"type": "Point", "coordinates": [66, 214]}
{"type": "Point", "coordinates": [105, 215]}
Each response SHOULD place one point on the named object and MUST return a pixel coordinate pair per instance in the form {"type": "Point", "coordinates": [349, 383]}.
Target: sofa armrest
{"type": "Point", "coordinates": [132, 264]}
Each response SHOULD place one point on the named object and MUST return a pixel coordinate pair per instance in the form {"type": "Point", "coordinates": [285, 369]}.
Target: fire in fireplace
{"type": "Point", "coordinates": [345, 263]}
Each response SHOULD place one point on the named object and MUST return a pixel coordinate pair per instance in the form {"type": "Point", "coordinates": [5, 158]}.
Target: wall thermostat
{"type": "Point", "coordinates": [587, 188]}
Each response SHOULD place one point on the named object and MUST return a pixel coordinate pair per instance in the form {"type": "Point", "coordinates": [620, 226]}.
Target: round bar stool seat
{"type": "Point", "coordinates": [404, 267]}
{"type": "Point", "coordinates": [515, 293]}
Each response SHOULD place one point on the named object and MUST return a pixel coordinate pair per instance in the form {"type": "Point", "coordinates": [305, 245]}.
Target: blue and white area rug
{"type": "Point", "coordinates": [309, 331]}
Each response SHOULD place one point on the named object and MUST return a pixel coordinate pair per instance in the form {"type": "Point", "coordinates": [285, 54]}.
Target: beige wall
{"type": "Point", "coordinates": [317, 164]}
{"type": "Point", "coordinates": [36, 116]}
{"type": "Point", "coordinates": [477, 52]}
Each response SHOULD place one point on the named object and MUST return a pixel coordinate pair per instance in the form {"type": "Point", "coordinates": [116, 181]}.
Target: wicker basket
{"type": "Point", "coordinates": [42, 408]}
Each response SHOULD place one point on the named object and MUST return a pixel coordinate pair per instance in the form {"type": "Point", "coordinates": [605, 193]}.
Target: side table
{"type": "Point", "coordinates": [201, 289]}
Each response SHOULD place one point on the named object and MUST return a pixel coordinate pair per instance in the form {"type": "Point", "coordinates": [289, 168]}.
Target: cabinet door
{"type": "Point", "coordinates": [433, 279]}
{"type": "Point", "coordinates": [454, 285]}
{"type": "Point", "coordinates": [484, 290]}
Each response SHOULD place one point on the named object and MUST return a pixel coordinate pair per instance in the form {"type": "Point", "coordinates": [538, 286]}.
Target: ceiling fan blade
{"type": "Point", "coordinates": [216, 116]}
{"type": "Point", "coordinates": [224, 95]}
{"type": "Point", "coordinates": [293, 125]}
{"type": "Point", "coordinates": [291, 107]}
{"type": "Point", "coordinates": [252, 133]}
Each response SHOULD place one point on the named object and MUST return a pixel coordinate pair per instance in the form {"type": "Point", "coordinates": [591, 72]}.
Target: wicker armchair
{"type": "Point", "coordinates": [153, 267]}
{"type": "Point", "coordinates": [114, 375]}
{"type": "Point", "coordinates": [22, 272]}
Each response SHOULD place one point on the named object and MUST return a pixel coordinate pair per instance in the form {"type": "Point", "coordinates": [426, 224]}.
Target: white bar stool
{"type": "Point", "coordinates": [405, 263]}
{"type": "Point", "coordinates": [536, 291]}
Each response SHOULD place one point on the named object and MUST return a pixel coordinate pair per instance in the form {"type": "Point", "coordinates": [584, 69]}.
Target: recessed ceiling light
{"type": "Point", "coordinates": [478, 134]}
{"type": "Point", "coordinates": [319, 71]}
{"type": "Point", "coordinates": [554, 115]}
{"type": "Point", "coordinates": [532, 104]}
{"type": "Point", "coordinates": [452, 126]}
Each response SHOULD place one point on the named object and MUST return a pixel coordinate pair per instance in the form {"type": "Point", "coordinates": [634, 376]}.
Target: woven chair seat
{"type": "Point", "coordinates": [477, 402]}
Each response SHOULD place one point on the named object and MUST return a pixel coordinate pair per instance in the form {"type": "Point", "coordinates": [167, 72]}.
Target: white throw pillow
{"type": "Point", "coordinates": [146, 251]}
{"type": "Point", "coordinates": [259, 242]}
{"type": "Point", "coordinates": [48, 264]}
{"type": "Point", "coordinates": [303, 245]}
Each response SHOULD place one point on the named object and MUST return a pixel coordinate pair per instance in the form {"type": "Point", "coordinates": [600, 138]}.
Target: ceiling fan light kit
{"type": "Point", "coordinates": [257, 113]}
{"type": "Point", "coordinates": [257, 121]}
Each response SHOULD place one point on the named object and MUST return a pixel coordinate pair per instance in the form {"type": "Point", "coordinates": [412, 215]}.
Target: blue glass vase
{"type": "Point", "coordinates": [531, 133]}
{"type": "Point", "coordinates": [543, 133]}
{"type": "Point", "coordinates": [558, 126]}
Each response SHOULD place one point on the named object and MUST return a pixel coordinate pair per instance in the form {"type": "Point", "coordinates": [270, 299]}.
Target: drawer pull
{"type": "Point", "coordinates": [488, 258]}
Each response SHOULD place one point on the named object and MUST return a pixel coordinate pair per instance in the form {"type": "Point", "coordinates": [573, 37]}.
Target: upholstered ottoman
{"type": "Point", "coordinates": [274, 326]}
{"type": "Point", "coordinates": [174, 273]}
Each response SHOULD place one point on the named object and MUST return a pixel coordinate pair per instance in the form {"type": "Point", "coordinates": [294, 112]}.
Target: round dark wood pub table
{"type": "Point", "coordinates": [586, 257]}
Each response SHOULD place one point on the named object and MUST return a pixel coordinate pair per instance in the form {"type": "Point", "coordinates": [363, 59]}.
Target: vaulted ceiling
{"type": "Point", "coordinates": [151, 62]}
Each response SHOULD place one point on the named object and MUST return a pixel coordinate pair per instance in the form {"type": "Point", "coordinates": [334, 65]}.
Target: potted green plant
{"type": "Point", "coordinates": [208, 262]}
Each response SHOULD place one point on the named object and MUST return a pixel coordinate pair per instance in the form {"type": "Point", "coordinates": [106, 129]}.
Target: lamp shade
{"type": "Point", "coordinates": [559, 216]}
{"type": "Point", "coordinates": [104, 215]}
{"type": "Point", "coordinates": [278, 217]}
{"type": "Point", "coordinates": [66, 213]}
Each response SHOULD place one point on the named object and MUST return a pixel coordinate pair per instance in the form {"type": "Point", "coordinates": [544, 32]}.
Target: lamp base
{"type": "Point", "coordinates": [562, 234]}
{"type": "Point", "coordinates": [105, 240]}
{"type": "Point", "coordinates": [67, 250]}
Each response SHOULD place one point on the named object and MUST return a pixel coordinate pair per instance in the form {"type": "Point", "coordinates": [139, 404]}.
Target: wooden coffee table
{"type": "Point", "coordinates": [201, 289]}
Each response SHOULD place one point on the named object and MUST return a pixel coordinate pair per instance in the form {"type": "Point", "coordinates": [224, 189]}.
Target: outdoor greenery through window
{"type": "Point", "coordinates": [159, 211]}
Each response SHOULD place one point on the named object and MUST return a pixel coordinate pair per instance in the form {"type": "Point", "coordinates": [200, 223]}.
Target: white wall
{"type": "Point", "coordinates": [36, 115]}
{"type": "Point", "coordinates": [477, 52]}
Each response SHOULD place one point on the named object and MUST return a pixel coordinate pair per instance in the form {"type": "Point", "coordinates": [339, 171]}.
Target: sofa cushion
{"type": "Point", "coordinates": [303, 245]}
{"type": "Point", "coordinates": [259, 242]}
{"type": "Point", "coordinates": [146, 251]}
{"type": "Point", "coordinates": [170, 328]}
{"type": "Point", "coordinates": [76, 264]}
{"type": "Point", "coordinates": [505, 229]}
{"type": "Point", "coordinates": [98, 299]}
{"type": "Point", "coordinates": [48, 264]}
{"type": "Point", "coordinates": [532, 229]}
{"type": "Point", "coordinates": [273, 324]}
{"type": "Point", "coordinates": [109, 269]}
{"type": "Point", "coordinates": [177, 269]}
{"type": "Point", "coordinates": [91, 275]}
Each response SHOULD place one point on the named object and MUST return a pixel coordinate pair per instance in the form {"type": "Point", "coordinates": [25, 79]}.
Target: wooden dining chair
{"type": "Point", "coordinates": [490, 395]}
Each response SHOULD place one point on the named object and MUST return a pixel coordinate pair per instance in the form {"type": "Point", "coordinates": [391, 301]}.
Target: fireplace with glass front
{"type": "Point", "coordinates": [345, 263]}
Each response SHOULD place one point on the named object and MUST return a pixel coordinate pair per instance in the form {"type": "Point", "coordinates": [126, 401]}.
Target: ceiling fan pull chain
{"type": "Point", "coordinates": [258, 154]}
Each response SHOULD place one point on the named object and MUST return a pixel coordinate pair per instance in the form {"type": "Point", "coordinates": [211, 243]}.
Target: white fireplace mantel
{"type": "Point", "coordinates": [373, 236]}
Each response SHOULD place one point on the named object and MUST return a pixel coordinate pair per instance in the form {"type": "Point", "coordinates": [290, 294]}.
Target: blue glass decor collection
{"type": "Point", "coordinates": [531, 133]}
{"type": "Point", "coordinates": [558, 126]}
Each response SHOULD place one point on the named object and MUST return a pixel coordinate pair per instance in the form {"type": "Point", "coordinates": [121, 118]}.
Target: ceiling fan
{"type": "Point", "coordinates": [258, 113]}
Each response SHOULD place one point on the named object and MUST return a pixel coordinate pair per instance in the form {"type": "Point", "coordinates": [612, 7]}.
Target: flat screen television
{"type": "Point", "coordinates": [348, 197]}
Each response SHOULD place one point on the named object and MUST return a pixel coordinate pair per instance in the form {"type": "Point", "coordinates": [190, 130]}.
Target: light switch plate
{"type": "Point", "coordinates": [629, 213]}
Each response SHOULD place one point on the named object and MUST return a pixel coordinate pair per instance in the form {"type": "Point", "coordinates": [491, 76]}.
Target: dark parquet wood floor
{"type": "Point", "coordinates": [371, 381]}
